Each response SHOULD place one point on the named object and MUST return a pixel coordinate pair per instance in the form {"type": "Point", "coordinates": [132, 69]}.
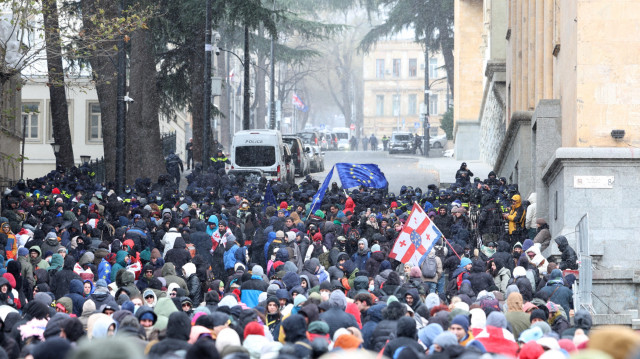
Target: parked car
{"type": "Point", "coordinates": [309, 137]}
{"type": "Point", "coordinates": [401, 142]}
{"type": "Point", "coordinates": [316, 158]}
{"type": "Point", "coordinates": [439, 141]}
{"type": "Point", "coordinates": [297, 149]}
{"type": "Point", "coordinates": [290, 164]}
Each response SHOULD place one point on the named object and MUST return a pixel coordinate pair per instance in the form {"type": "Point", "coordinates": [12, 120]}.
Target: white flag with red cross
{"type": "Point", "coordinates": [417, 238]}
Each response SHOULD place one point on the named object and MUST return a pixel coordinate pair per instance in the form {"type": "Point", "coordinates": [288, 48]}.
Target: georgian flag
{"type": "Point", "coordinates": [215, 240]}
{"type": "Point", "coordinates": [417, 238]}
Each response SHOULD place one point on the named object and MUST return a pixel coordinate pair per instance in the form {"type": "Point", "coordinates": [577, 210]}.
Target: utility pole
{"type": "Point", "coordinates": [207, 87]}
{"type": "Point", "coordinates": [121, 109]}
{"type": "Point", "coordinates": [272, 101]}
{"type": "Point", "coordinates": [427, 91]}
{"type": "Point", "coordinates": [246, 109]}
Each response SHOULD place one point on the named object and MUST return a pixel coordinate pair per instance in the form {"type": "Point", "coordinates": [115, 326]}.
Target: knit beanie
{"type": "Point", "coordinates": [446, 339]}
{"type": "Point", "coordinates": [537, 314]}
{"type": "Point", "coordinates": [347, 341]}
{"type": "Point", "coordinates": [415, 272]}
{"type": "Point", "coordinates": [497, 319]}
{"type": "Point", "coordinates": [463, 321]}
{"type": "Point", "coordinates": [253, 328]}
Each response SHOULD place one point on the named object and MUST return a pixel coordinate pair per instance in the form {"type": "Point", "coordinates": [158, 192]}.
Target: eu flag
{"type": "Point", "coordinates": [269, 198]}
{"type": "Point", "coordinates": [319, 196]}
{"type": "Point", "coordinates": [356, 175]}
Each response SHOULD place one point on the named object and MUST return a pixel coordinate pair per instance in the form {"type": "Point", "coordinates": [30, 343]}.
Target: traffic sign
{"type": "Point", "coordinates": [352, 127]}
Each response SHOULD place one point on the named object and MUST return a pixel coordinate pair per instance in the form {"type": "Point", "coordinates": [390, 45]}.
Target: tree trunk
{"type": "Point", "coordinates": [260, 96]}
{"type": "Point", "coordinates": [104, 75]}
{"type": "Point", "coordinates": [59, 109]}
{"type": "Point", "coordinates": [261, 103]}
{"type": "Point", "coordinates": [225, 113]}
{"type": "Point", "coordinates": [144, 145]}
{"type": "Point", "coordinates": [246, 120]}
{"type": "Point", "coordinates": [197, 93]}
{"type": "Point", "coordinates": [446, 45]}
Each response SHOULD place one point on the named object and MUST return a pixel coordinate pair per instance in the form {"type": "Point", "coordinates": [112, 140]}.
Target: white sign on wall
{"type": "Point", "coordinates": [593, 181]}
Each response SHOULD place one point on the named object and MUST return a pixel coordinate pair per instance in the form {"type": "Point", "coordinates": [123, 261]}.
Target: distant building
{"type": "Point", "coordinates": [84, 121]}
{"type": "Point", "coordinates": [547, 93]}
{"type": "Point", "coordinates": [393, 74]}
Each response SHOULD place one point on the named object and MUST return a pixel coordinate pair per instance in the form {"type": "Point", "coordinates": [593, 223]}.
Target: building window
{"type": "Point", "coordinates": [379, 105]}
{"type": "Point", "coordinates": [413, 67]}
{"type": "Point", "coordinates": [413, 102]}
{"type": "Point", "coordinates": [396, 105]}
{"type": "Point", "coordinates": [94, 124]}
{"type": "Point", "coordinates": [31, 119]}
{"type": "Point", "coordinates": [433, 104]}
{"type": "Point", "coordinates": [50, 121]}
{"type": "Point", "coordinates": [396, 67]}
{"type": "Point", "coordinates": [380, 68]}
{"type": "Point", "coordinates": [433, 68]}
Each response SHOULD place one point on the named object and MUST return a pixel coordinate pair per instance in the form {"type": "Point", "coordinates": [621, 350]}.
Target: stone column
{"type": "Point", "coordinates": [546, 126]}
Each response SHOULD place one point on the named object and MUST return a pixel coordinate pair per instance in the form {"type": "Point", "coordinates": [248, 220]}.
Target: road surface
{"type": "Point", "coordinates": [399, 169]}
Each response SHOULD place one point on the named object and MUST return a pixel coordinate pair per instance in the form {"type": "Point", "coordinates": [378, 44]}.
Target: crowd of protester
{"type": "Point", "coordinates": [220, 270]}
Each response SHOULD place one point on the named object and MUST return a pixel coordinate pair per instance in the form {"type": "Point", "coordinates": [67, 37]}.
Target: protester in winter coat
{"type": "Point", "coordinates": [336, 316]}
{"type": "Point", "coordinates": [388, 326]}
{"type": "Point", "coordinates": [60, 280]}
{"type": "Point", "coordinates": [178, 255]}
{"type": "Point", "coordinates": [373, 317]}
{"type": "Point", "coordinates": [501, 275]}
{"type": "Point", "coordinates": [177, 335]}
{"type": "Point", "coordinates": [517, 318]}
{"type": "Point", "coordinates": [170, 276]}
{"type": "Point", "coordinates": [556, 292]}
{"type": "Point", "coordinates": [193, 283]}
{"type": "Point", "coordinates": [406, 336]}
{"type": "Point", "coordinates": [479, 278]}
{"type": "Point", "coordinates": [543, 236]}
{"type": "Point", "coordinates": [569, 258]}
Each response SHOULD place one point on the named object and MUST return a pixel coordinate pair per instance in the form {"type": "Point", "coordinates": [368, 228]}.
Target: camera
{"type": "Point", "coordinates": [216, 49]}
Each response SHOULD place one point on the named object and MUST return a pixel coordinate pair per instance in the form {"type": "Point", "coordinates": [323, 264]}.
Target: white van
{"type": "Point", "coordinates": [344, 134]}
{"type": "Point", "coordinates": [261, 152]}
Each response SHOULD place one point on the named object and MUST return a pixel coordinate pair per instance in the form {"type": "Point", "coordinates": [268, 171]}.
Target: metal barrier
{"type": "Point", "coordinates": [584, 288]}
{"type": "Point", "coordinates": [97, 170]}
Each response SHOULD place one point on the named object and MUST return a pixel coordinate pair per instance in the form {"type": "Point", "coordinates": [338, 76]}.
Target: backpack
{"type": "Point", "coordinates": [429, 267]}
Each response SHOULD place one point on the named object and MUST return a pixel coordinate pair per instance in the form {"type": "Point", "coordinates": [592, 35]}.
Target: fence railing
{"type": "Point", "coordinates": [168, 143]}
{"type": "Point", "coordinates": [98, 170]}
{"type": "Point", "coordinates": [582, 298]}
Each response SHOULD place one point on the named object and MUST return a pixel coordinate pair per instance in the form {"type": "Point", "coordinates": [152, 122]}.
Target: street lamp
{"type": "Point", "coordinates": [84, 159]}
{"type": "Point", "coordinates": [56, 148]}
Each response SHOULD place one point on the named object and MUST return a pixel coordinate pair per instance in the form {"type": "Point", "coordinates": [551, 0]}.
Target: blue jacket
{"type": "Point", "coordinates": [360, 260]}
{"type": "Point", "coordinates": [76, 288]}
{"type": "Point", "coordinates": [251, 290]}
{"type": "Point", "coordinates": [230, 257]}
{"type": "Point", "coordinates": [212, 219]}
{"type": "Point", "coordinates": [270, 238]}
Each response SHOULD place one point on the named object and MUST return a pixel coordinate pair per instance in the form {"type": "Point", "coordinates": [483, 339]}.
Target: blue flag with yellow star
{"type": "Point", "coordinates": [356, 175]}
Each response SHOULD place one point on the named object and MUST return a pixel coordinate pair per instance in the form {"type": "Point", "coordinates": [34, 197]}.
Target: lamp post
{"type": "Point", "coordinates": [84, 159]}
{"type": "Point", "coordinates": [56, 149]}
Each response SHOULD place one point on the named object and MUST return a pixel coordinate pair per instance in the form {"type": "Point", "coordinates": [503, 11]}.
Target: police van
{"type": "Point", "coordinates": [263, 153]}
